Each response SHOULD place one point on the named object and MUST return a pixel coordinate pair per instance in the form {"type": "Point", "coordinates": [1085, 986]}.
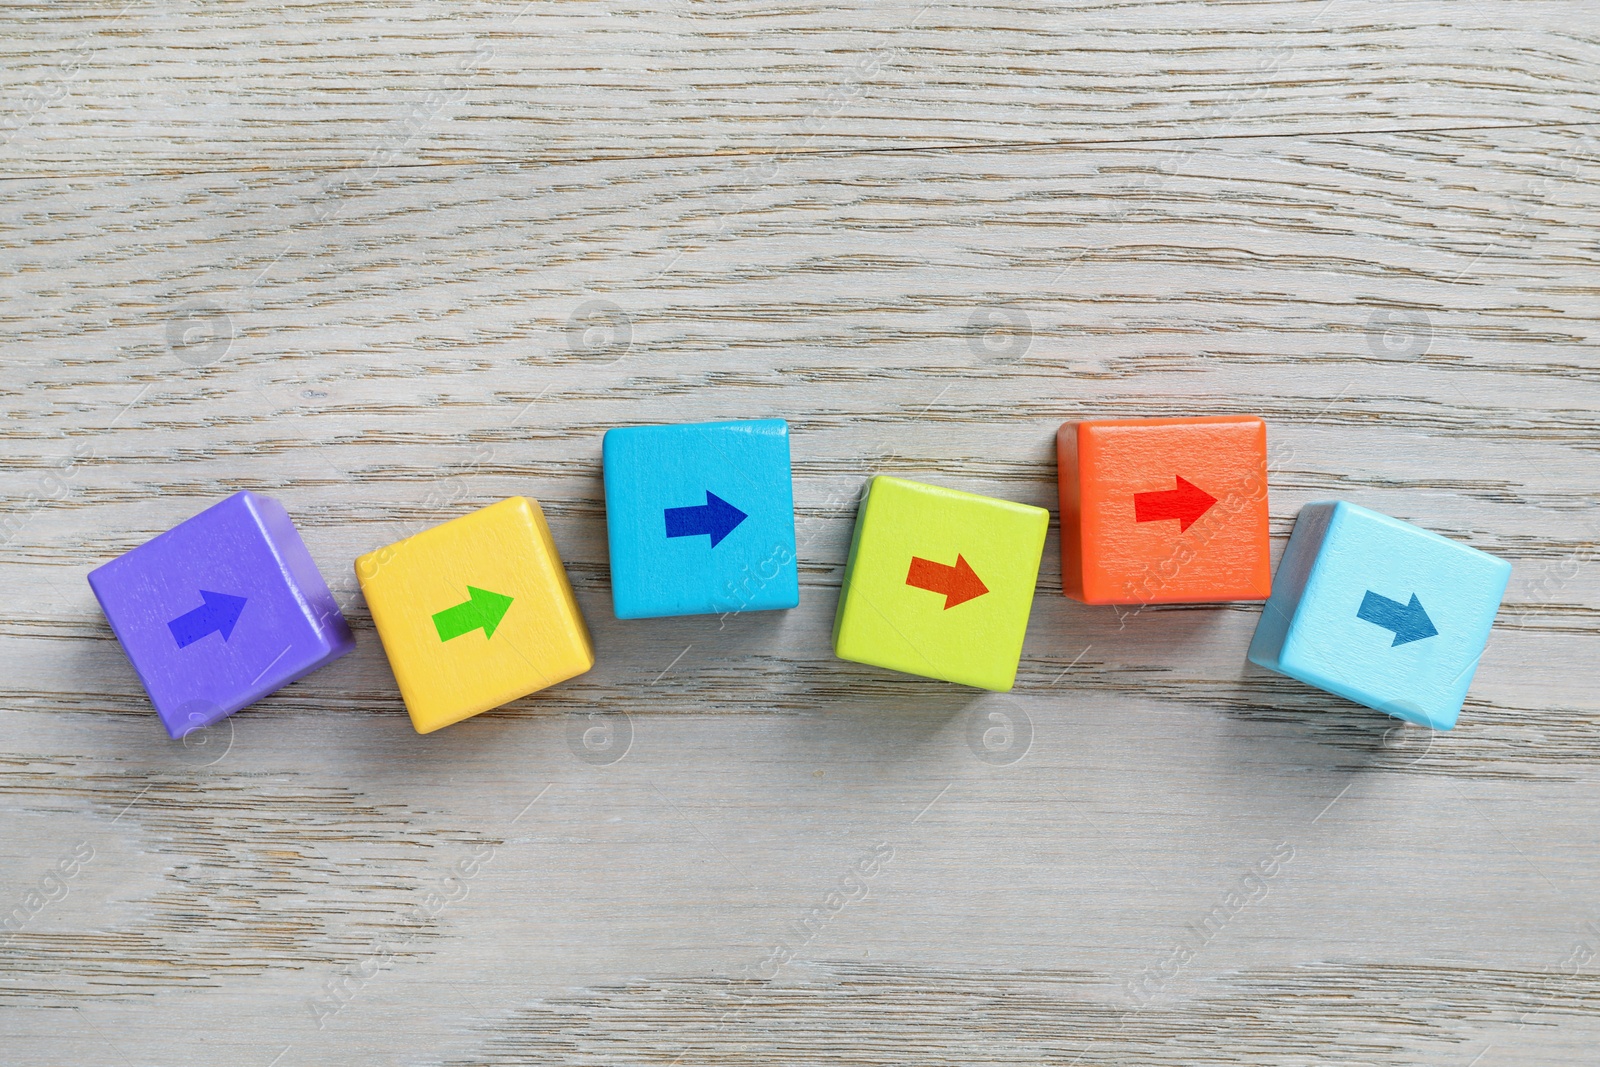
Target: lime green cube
{"type": "Point", "coordinates": [940, 583]}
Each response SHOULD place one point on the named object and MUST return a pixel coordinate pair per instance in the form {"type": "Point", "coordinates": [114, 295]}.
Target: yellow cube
{"type": "Point", "coordinates": [475, 613]}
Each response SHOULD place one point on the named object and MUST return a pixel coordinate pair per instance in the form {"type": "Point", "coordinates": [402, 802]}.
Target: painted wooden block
{"type": "Point", "coordinates": [221, 610]}
{"type": "Point", "coordinates": [700, 519]}
{"type": "Point", "coordinates": [475, 613]}
{"type": "Point", "coordinates": [1164, 511]}
{"type": "Point", "coordinates": [939, 583]}
{"type": "Point", "coordinates": [1380, 612]}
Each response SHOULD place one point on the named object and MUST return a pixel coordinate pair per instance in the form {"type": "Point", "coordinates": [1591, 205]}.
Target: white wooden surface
{"type": "Point", "coordinates": [389, 262]}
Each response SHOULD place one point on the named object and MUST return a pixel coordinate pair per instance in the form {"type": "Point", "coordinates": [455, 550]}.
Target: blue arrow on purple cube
{"type": "Point", "coordinates": [715, 518]}
{"type": "Point", "coordinates": [216, 616]}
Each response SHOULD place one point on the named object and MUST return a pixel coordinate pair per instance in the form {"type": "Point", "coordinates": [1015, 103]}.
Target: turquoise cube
{"type": "Point", "coordinates": [700, 519]}
{"type": "Point", "coordinates": [1380, 612]}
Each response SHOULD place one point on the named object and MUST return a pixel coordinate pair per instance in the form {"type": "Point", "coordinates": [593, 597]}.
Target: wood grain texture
{"type": "Point", "coordinates": [723, 844]}
{"type": "Point", "coordinates": [226, 86]}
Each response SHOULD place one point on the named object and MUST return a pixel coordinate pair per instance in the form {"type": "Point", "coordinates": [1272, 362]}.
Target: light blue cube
{"type": "Point", "coordinates": [1380, 612]}
{"type": "Point", "coordinates": [700, 518]}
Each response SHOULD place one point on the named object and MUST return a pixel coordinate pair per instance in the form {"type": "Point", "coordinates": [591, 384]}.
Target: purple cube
{"type": "Point", "coordinates": [221, 610]}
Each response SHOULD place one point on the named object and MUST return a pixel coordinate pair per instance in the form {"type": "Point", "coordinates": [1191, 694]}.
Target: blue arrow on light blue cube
{"type": "Point", "coordinates": [715, 518]}
{"type": "Point", "coordinates": [1408, 621]}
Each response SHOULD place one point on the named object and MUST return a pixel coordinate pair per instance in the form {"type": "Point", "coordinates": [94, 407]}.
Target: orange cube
{"type": "Point", "coordinates": [1164, 511]}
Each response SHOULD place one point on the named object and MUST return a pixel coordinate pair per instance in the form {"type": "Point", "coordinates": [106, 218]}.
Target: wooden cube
{"type": "Point", "coordinates": [475, 613]}
{"type": "Point", "coordinates": [1380, 612]}
{"type": "Point", "coordinates": [939, 583]}
{"type": "Point", "coordinates": [1164, 511]}
{"type": "Point", "coordinates": [700, 519]}
{"type": "Point", "coordinates": [221, 610]}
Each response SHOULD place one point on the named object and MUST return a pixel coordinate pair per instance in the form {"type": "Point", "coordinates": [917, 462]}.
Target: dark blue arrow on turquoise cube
{"type": "Point", "coordinates": [216, 616]}
{"type": "Point", "coordinates": [1408, 621]}
{"type": "Point", "coordinates": [716, 518]}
